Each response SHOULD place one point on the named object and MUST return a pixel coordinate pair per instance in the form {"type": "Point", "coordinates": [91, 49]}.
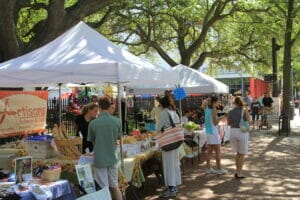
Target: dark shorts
{"type": "Point", "coordinates": [255, 117]}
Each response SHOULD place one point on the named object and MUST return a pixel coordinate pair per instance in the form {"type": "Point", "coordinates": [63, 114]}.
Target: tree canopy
{"type": "Point", "coordinates": [224, 33]}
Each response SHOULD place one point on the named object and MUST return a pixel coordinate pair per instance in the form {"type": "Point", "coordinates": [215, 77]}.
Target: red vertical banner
{"type": "Point", "coordinates": [22, 112]}
{"type": "Point", "coordinates": [252, 86]}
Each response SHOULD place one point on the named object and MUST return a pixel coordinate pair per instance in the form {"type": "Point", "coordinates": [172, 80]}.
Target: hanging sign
{"type": "Point", "coordinates": [179, 93]}
{"type": "Point", "coordinates": [22, 112]}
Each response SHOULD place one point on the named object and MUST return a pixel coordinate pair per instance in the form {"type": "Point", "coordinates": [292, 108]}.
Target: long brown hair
{"type": "Point", "coordinates": [211, 101]}
{"type": "Point", "coordinates": [239, 102]}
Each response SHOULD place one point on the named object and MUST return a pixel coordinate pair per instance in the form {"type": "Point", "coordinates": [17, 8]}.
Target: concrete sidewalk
{"type": "Point", "coordinates": [272, 168]}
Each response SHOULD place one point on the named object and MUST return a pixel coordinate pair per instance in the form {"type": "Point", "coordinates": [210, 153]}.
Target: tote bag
{"type": "Point", "coordinates": [171, 138]}
{"type": "Point", "coordinates": [244, 125]}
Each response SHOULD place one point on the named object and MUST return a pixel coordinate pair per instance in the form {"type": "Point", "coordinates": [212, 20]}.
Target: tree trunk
{"type": "Point", "coordinates": [287, 65]}
{"type": "Point", "coordinates": [9, 45]}
{"type": "Point", "coordinates": [58, 21]}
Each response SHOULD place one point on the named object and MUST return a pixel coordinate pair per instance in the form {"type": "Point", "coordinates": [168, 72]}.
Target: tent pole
{"type": "Point", "coordinates": [59, 104]}
{"type": "Point", "coordinates": [180, 110]}
{"type": "Point", "coordinates": [125, 114]}
{"type": "Point", "coordinates": [120, 116]}
{"type": "Point", "coordinates": [180, 106]}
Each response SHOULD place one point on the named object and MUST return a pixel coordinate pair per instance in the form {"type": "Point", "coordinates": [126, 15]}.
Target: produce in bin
{"type": "Point", "coordinates": [190, 126]}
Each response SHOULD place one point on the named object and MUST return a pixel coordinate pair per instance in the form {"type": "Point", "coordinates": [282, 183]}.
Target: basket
{"type": "Point", "coordinates": [70, 148]}
{"type": "Point", "coordinates": [51, 174]}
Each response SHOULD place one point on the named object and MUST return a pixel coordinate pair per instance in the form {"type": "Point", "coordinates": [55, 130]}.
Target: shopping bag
{"type": "Point", "coordinates": [244, 125]}
{"type": "Point", "coordinates": [171, 138]}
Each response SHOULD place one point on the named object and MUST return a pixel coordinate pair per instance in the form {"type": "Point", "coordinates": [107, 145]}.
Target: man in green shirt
{"type": "Point", "coordinates": [104, 133]}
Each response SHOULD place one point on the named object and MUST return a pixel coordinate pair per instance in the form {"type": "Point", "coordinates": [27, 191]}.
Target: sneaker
{"type": "Point", "coordinates": [222, 171]}
{"type": "Point", "coordinates": [176, 189]}
{"type": "Point", "coordinates": [211, 171]}
{"type": "Point", "coordinates": [168, 193]}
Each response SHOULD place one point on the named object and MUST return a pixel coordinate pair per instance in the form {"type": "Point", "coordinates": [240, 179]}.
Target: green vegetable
{"type": "Point", "coordinates": [190, 126]}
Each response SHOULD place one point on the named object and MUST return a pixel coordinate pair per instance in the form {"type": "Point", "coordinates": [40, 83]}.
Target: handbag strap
{"type": "Point", "coordinates": [171, 121]}
{"type": "Point", "coordinates": [242, 115]}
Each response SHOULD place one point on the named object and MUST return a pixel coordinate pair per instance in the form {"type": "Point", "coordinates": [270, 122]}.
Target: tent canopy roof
{"type": "Point", "coordinates": [197, 82]}
{"type": "Point", "coordinates": [193, 81]}
{"type": "Point", "coordinates": [81, 55]}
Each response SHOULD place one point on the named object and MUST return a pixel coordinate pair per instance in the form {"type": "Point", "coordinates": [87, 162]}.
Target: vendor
{"type": "Point", "coordinates": [88, 113]}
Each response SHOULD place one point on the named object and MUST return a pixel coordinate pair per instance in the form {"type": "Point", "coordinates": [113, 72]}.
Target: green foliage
{"type": "Point", "coordinates": [28, 18]}
{"type": "Point", "coordinates": [174, 27]}
{"type": "Point", "coordinates": [227, 33]}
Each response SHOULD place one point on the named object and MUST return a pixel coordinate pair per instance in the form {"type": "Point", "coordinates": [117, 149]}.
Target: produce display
{"type": "Point", "coordinates": [190, 126]}
{"type": "Point", "coordinates": [129, 140]}
{"type": "Point", "coordinates": [40, 193]}
{"type": "Point", "coordinates": [59, 132]}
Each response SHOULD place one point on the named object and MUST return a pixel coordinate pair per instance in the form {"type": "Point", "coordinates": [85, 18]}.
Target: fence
{"type": "Point", "coordinates": [66, 116]}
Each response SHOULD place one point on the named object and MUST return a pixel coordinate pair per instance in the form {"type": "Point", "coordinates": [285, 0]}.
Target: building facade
{"type": "Point", "coordinates": [240, 82]}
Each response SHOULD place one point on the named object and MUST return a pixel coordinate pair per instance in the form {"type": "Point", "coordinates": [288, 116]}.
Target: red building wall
{"type": "Point", "coordinates": [258, 87]}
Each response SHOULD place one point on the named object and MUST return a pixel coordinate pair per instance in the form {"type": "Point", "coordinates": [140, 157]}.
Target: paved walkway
{"type": "Point", "coordinates": [272, 168]}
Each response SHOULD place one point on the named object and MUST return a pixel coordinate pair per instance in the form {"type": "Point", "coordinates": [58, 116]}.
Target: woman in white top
{"type": "Point", "coordinates": [170, 159]}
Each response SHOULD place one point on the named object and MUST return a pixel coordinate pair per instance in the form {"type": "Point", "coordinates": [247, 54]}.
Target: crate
{"type": "Point", "coordinates": [70, 148]}
{"type": "Point", "coordinates": [51, 174]}
{"type": "Point", "coordinates": [41, 149]}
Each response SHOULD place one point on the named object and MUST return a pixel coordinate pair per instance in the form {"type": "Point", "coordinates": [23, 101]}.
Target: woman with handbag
{"type": "Point", "coordinates": [170, 159]}
{"type": "Point", "coordinates": [213, 137]}
{"type": "Point", "coordinates": [239, 134]}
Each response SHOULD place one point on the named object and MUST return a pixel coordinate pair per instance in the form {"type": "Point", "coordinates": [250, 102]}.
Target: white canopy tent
{"type": "Point", "coordinates": [197, 82]}
{"type": "Point", "coordinates": [81, 55]}
{"type": "Point", "coordinates": [193, 81]}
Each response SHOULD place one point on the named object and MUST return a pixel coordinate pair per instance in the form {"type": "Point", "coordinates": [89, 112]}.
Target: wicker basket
{"type": "Point", "coordinates": [51, 174]}
{"type": "Point", "coordinates": [70, 148]}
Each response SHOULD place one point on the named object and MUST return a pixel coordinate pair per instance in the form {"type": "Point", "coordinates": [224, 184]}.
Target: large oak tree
{"type": "Point", "coordinates": [28, 24]}
{"type": "Point", "coordinates": [189, 31]}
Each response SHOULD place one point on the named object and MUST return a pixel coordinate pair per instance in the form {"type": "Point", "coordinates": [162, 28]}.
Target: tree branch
{"type": "Point", "coordinates": [280, 8]}
{"type": "Point", "coordinates": [296, 37]}
{"type": "Point", "coordinates": [84, 8]}
{"type": "Point", "coordinates": [18, 6]}
{"type": "Point", "coordinates": [102, 20]}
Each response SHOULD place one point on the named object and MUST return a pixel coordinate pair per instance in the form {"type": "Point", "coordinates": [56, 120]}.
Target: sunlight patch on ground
{"type": "Point", "coordinates": [214, 182]}
{"type": "Point", "coordinates": [245, 188]}
{"type": "Point", "coordinates": [275, 154]}
{"type": "Point", "coordinates": [205, 192]}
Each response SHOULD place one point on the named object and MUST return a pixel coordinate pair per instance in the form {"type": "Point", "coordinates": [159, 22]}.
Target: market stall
{"type": "Point", "coordinates": [80, 55]}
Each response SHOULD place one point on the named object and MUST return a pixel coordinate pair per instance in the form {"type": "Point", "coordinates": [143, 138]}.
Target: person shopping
{"type": "Point", "coordinates": [88, 113]}
{"type": "Point", "coordinates": [239, 140]}
{"type": "Point", "coordinates": [104, 132]}
{"type": "Point", "coordinates": [170, 159]}
{"type": "Point", "coordinates": [255, 110]}
{"type": "Point", "coordinates": [213, 137]}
